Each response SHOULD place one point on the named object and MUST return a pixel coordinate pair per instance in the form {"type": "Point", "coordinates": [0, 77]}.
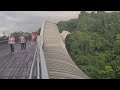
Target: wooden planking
{"type": "Point", "coordinates": [16, 66]}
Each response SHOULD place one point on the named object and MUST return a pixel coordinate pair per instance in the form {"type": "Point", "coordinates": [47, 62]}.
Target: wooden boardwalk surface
{"type": "Point", "coordinates": [17, 65]}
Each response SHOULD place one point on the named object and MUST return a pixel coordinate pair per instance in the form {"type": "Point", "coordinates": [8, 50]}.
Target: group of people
{"type": "Point", "coordinates": [23, 41]}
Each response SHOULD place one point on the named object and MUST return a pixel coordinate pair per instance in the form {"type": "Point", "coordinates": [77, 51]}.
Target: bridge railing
{"type": "Point", "coordinates": [43, 66]}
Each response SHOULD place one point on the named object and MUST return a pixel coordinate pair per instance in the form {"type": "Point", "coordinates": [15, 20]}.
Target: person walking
{"type": "Point", "coordinates": [25, 37]}
{"type": "Point", "coordinates": [23, 42]}
{"type": "Point", "coordinates": [34, 38]}
{"type": "Point", "coordinates": [11, 42]}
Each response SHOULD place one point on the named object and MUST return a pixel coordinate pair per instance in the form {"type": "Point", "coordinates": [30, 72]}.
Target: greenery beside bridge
{"type": "Point", "coordinates": [94, 43]}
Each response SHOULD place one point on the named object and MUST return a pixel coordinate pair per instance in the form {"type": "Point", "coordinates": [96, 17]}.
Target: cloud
{"type": "Point", "coordinates": [29, 21]}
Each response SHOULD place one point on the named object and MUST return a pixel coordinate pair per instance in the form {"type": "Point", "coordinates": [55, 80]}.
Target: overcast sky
{"type": "Point", "coordinates": [29, 21]}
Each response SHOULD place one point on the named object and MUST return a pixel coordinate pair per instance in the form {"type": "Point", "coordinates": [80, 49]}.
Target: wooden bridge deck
{"type": "Point", "coordinates": [17, 65]}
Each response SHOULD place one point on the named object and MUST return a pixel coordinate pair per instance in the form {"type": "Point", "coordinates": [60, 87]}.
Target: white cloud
{"type": "Point", "coordinates": [30, 20]}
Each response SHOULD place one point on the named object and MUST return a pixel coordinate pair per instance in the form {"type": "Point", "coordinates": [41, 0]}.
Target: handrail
{"type": "Point", "coordinates": [38, 61]}
{"type": "Point", "coordinates": [31, 70]}
{"type": "Point", "coordinates": [44, 71]}
{"type": "Point", "coordinates": [41, 63]}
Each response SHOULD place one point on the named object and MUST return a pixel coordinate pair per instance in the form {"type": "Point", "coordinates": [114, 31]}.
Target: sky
{"type": "Point", "coordinates": [29, 21]}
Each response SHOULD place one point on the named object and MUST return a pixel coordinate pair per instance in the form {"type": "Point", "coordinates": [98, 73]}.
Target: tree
{"type": "Point", "coordinates": [117, 45]}
{"type": "Point", "coordinates": [94, 43]}
{"type": "Point", "coordinates": [62, 26]}
{"type": "Point", "coordinates": [107, 73]}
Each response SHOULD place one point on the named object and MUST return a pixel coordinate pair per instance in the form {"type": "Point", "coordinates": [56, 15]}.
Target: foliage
{"type": "Point", "coordinates": [70, 25]}
{"type": "Point", "coordinates": [17, 35]}
{"type": "Point", "coordinates": [94, 43]}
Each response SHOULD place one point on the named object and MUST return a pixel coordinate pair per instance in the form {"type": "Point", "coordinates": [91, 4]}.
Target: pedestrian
{"type": "Point", "coordinates": [23, 42]}
{"type": "Point", "coordinates": [25, 37]}
{"type": "Point", "coordinates": [11, 42]}
{"type": "Point", "coordinates": [34, 38]}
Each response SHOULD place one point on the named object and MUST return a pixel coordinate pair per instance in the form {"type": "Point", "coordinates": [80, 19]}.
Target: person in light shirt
{"type": "Point", "coordinates": [23, 42]}
{"type": "Point", "coordinates": [11, 42]}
